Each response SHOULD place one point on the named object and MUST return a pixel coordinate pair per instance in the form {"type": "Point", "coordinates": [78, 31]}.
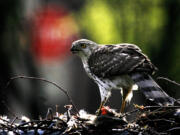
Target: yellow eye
{"type": "Point", "coordinates": [83, 45]}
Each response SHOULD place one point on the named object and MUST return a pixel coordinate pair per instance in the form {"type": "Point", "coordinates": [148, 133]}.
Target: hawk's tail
{"type": "Point", "coordinates": [151, 89]}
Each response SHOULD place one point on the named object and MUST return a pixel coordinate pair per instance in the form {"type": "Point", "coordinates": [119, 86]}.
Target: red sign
{"type": "Point", "coordinates": [53, 31]}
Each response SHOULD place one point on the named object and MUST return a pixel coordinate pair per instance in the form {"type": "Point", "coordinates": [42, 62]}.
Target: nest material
{"type": "Point", "coordinates": [148, 120]}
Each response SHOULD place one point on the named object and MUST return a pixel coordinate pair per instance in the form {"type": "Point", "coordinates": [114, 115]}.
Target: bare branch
{"type": "Point", "coordinates": [163, 78]}
{"type": "Point", "coordinates": [44, 80]}
{"type": "Point", "coordinates": [172, 107]}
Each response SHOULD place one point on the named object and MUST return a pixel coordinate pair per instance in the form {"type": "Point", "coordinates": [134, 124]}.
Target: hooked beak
{"type": "Point", "coordinates": [74, 49]}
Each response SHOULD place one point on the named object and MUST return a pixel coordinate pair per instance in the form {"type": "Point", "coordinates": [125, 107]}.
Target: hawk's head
{"type": "Point", "coordinates": [83, 47]}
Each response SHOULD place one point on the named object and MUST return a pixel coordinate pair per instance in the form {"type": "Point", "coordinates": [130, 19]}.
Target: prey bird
{"type": "Point", "coordinates": [120, 67]}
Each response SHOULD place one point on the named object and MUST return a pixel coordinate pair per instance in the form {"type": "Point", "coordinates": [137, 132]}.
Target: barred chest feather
{"type": "Point", "coordinates": [116, 82]}
{"type": "Point", "coordinates": [102, 82]}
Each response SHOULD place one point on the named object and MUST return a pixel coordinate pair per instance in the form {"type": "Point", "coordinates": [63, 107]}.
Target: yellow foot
{"type": "Point", "coordinates": [141, 107]}
{"type": "Point", "coordinates": [119, 114]}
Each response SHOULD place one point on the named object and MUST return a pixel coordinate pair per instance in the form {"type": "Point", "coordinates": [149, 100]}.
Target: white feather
{"type": "Point", "coordinates": [129, 97]}
{"type": "Point", "coordinates": [135, 87]}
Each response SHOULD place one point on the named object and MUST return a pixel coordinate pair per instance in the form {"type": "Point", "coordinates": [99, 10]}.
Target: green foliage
{"type": "Point", "coordinates": [138, 22]}
{"type": "Point", "coordinates": [142, 22]}
{"type": "Point", "coordinates": [98, 22]}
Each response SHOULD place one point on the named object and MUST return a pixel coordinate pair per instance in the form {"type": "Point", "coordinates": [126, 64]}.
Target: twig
{"type": "Point", "coordinates": [149, 107]}
{"type": "Point", "coordinates": [43, 128]}
{"type": "Point", "coordinates": [4, 120]}
{"type": "Point", "coordinates": [32, 122]}
{"type": "Point", "coordinates": [172, 129]}
{"type": "Point", "coordinates": [7, 126]}
{"type": "Point", "coordinates": [165, 120]}
{"type": "Point", "coordinates": [44, 80]}
{"type": "Point", "coordinates": [129, 113]}
{"type": "Point", "coordinates": [15, 118]}
{"type": "Point", "coordinates": [163, 78]}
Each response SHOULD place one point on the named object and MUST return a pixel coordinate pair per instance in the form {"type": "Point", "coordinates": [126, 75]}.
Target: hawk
{"type": "Point", "coordinates": [120, 67]}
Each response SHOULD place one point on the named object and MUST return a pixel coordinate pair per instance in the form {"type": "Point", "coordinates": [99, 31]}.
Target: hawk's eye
{"type": "Point", "coordinates": [83, 45]}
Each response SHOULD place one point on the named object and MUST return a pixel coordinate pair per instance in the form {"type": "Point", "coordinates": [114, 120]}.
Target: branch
{"type": "Point", "coordinates": [44, 80]}
{"type": "Point", "coordinates": [163, 78]}
{"type": "Point", "coordinates": [148, 107]}
{"type": "Point", "coordinates": [172, 107]}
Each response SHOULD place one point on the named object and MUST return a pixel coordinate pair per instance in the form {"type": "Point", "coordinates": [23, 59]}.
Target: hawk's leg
{"type": "Point", "coordinates": [105, 94]}
{"type": "Point", "coordinates": [126, 96]}
{"type": "Point", "coordinates": [98, 112]}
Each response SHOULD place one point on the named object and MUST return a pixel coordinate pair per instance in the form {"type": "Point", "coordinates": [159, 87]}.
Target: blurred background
{"type": "Point", "coordinates": [35, 38]}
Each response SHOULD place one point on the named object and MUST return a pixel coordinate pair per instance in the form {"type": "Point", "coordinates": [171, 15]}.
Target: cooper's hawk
{"type": "Point", "coordinates": [120, 66]}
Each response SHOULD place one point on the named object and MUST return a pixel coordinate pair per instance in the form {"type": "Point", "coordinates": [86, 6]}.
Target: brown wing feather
{"type": "Point", "coordinates": [112, 60]}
